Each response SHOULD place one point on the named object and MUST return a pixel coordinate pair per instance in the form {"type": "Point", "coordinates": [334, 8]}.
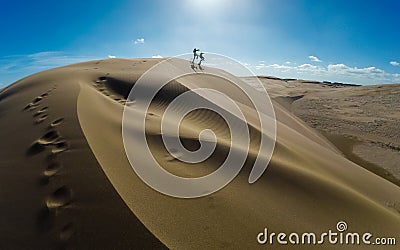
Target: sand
{"type": "Point", "coordinates": [66, 181]}
{"type": "Point", "coordinates": [362, 121]}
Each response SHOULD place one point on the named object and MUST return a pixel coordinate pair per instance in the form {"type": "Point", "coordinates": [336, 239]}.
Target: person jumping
{"type": "Point", "coordinates": [195, 55]}
{"type": "Point", "coordinates": [201, 58]}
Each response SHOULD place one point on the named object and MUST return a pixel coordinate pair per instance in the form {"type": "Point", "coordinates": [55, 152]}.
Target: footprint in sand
{"type": "Point", "coordinates": [36, 102]}
{"type": "Point", "coordinates": [30, 106]}
{"type": "Point", "coordinates": [130, 102]}
{"type": "Point", "coordinates": [59, 198]}
{"type": "Point", "coordinates": [119, 100]}
{"type": "Point", "coordinates": [52, 169]}
{"type": "Point", "coordinates": [56, 122]}
{"type": "Point", "coordinates": [97, 83]}
{"type": "Point", "coordinates": [46, 219]}
{"type": "Point", "coordinates": [104, 91]}
{"type": "Point", "coordinates": [151, 116]}
{"type": "Point", "coordinates": [41, 118]}
{"type": "Point", "coordinates": [100, 86]}
{"type": "Point", "coordinates": [40, 112]}
{"type": "Point", "coordinates": [59, 147]}
{"type": "Point", "coordinates": [35, 148]}
{"type": "Point", "coordinates": [49, 138]}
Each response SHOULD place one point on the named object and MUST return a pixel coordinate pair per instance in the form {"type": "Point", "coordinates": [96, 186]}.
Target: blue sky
{"type": "Point", "coordinates": [336, 40]}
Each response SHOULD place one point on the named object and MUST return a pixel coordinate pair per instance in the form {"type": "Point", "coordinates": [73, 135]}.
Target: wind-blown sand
{"type": "Point", "coordinates": [66, 181]}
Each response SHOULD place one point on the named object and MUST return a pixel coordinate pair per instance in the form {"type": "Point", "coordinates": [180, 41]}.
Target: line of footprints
{"type": "Point", "coordinates": [52, 142]}
{"type": "Point", "coordinates": [100, 85]}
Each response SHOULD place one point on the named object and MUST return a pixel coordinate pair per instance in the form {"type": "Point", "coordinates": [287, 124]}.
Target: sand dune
{"type": "Point", "coordinates": [361, 120]}
{"type": "Point", "coordinates": [66, 180]}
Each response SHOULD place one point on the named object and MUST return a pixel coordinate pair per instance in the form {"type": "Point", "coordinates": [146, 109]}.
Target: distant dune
{"type": "Point", "coordinates": [66, 181]}
{"type": "Point", "coordinates": [362, 121]}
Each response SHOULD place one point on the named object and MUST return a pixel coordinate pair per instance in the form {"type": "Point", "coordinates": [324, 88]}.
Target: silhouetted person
{"type": "Point", "coordinates": [201, 58]}
{"type": "Point", "coordinates": [195, 55]}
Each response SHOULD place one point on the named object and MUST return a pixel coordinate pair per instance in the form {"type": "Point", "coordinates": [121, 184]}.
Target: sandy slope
{"type": "Point", "coordinates": [369, 113]}
{"type": "Point", "coordinates": [66, 179]}
{"type": "Point", "coordinates": [53, 192]}
{"type": "Point", "coordinates": [362, 121]}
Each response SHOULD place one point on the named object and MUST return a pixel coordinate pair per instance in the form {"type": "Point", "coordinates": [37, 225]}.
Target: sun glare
{"type": "Point", "coordinates": [208, 6]}
{"type": "Point", "coordinates": [206, 3]}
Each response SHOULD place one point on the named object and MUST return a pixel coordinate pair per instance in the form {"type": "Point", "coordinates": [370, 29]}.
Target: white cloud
{"type": "Point", "coordinates": [288, 62]}
{"type": "Point", "coordinates": [273, 67]}
{"type": "Point", "coordinates": [314, 59]}
{"type": "Point", "coordinates": [396, 78]}
{"type": "Point", "coordinates": [344, 69]}
{"type": "Point", "coordinates": [44, 54]}
{"type": "Point", "coordinates": [277, 66]}
{"type": "Point", "coordinates": [286, 68]}
{"type": "Point", "coordinates": [157, 56]}
{"type": "Point", "coordinates": [14, 67]}
{"type": "Point", "coordinates": [139, 41]}
{"type": "Point", "coordinates": [333, 72]}
{"type": "Point", "coordinates": [111, 56]}
{"type": "Point", "coordinates": [394, 63]}
{"type": "Point", "coordinates": [308, 67]}
{"type": "Point", "coordinates": [337, 67]}
{"type": "Point", "coordinates": [47, 59]}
